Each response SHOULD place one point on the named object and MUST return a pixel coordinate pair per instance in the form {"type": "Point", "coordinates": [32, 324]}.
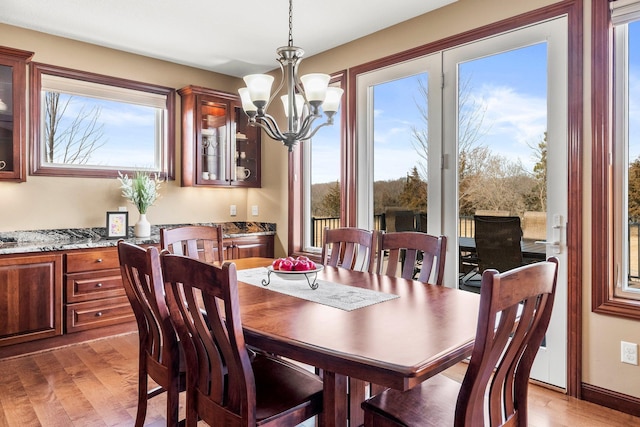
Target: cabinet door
{"type": "Point", "coordinates": [30, 298]}
{"type": "Point", "coordinates": [253, 246]}
{"type": "Point", "coordinates": [246, 144]}
{"type": "Point", "coordinates": [219, 148]}
{"type": "Point", "coordinates": [213, 143]}
{"type": "Point", "coordinates": [13, 64]}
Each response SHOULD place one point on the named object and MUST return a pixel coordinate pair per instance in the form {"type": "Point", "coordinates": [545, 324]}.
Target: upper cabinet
{"type": "Point", "coordinates": [13, 70]}
{"type": "Point", "coordinates": [219, 148]}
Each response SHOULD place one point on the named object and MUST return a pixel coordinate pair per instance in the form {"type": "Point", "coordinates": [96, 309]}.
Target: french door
{"type": "Point", "coordinates": [496, 108]}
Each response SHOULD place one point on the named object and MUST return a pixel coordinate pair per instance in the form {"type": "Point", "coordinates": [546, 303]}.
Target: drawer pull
{"type": "Point", "coordinates": [99, 260]}
{"type": "Point", "coordinates": [99, 314]}
{"type": "Point", "coordinates": [98, 285]}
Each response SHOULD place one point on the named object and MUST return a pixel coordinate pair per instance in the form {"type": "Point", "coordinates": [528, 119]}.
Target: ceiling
{"type": "Point", "coordinates": [230, 37]}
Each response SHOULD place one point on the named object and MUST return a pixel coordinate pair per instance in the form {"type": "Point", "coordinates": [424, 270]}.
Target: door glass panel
{"type": "Point", "coordinates": [400, 167]}
{"type": "Point", "coordinates": [502, 147]}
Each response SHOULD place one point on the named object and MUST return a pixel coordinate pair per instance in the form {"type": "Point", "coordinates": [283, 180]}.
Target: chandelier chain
{"type": "Point", "coordinates": [290, 23]}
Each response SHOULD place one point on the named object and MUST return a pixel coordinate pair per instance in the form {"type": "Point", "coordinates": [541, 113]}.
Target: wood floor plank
{"type": "Point", "coordinates": [94, 384]}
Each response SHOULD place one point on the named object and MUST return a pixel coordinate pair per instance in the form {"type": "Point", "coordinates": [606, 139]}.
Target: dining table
{"type": "Point", "coordinates": [417, 331]}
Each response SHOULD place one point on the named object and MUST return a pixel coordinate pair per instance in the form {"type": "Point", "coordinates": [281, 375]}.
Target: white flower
{"type": "Point", "coordinates": [142, 190]}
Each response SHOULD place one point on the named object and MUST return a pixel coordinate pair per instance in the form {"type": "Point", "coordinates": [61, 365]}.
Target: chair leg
{"type": "Point", "coordinates": [141, 413]}
{"type": "Point", "coordinates": [173, 404]}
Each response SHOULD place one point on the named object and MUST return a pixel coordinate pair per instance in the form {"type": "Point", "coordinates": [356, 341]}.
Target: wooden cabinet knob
{"type": "Point", "coordinates": [99, 314]}
{"type": "Point", "coordinates": [99, 260]}
{"type": "Point", "coordinates": [98, 285]}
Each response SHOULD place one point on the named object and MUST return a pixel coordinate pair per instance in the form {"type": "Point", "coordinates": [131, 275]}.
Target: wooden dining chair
{"type": "Point", "coordinates": [416, 253]}
{"type": "Point", "coordinates": [202, 242]}
{"type": "Point", "coordinates": [226, 384]}
{"type": "Point", "coordinates": [348, 247]}
{"type": "Point", "coordinates": [515, 309]}
{"type": "Point", "coordinates": [160, 355]}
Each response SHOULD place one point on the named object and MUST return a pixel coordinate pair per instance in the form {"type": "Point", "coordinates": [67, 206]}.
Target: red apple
{"type": "Point", "coordinates": [286, 265]}
{"type": "Point", "coordinates": [276, 264]}
{"type": "Point", "coordinates": [312, 265]}
{"type": "Point", "coordinates": [302, 258]}
{"type": "Point", "coordinates": [301, 265]}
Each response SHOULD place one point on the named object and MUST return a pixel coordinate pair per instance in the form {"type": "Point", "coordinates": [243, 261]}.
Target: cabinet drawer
{"type": "Point", "coordinates": [93, 285]}
{"type": "Point", "coordinates": [96, 314]}
{"type": "Point", "coordinates": [92, 260]}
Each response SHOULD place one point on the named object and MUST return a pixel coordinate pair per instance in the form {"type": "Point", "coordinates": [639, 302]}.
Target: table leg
{"type": "Point", "coordinates": [335, 399]}
{"type": "Point", "coordinates": [356, 397]}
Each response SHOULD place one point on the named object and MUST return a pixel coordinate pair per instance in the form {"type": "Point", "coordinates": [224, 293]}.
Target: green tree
{"type": "Point", "coordinates": [634, 189]}
{"type": "Point", "coordinates": [414, 193]}
{"type": "Point", "coordinates": [330, 205]}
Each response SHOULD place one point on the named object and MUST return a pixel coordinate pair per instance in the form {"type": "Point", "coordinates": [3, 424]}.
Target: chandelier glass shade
{"type": "Point", "coordinates": [306, 98]}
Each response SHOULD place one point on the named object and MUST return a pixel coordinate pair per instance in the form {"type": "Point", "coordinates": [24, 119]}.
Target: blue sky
{"type": "Point", "coordinates": [510, 87]}
{"type": "Point", "coordinates": [129, 131]}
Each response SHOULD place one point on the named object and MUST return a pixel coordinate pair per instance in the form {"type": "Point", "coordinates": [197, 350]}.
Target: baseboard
{"type": "Point", "coordinates": [611, 399]}
{"type": "Point", "coordinates": [47, 344]}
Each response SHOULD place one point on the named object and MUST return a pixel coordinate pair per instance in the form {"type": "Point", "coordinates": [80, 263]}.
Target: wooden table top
{"type": "Point", "coordinates": [397, 343]}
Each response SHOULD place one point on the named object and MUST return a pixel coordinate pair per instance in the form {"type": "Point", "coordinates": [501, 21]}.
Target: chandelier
{"type": "Point", "coordinates": [307, 97]}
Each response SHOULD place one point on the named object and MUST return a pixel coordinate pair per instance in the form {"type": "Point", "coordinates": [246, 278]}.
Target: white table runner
{"type": "Point", "coordinates": [328, 293]}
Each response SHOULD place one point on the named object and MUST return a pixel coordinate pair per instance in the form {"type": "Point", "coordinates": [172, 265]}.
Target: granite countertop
{"type": "Point", "coordinates": [16, 242]}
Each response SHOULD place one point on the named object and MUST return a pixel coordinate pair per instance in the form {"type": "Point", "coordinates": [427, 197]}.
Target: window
{"type": "Point", "coordinates": [616, 157]}
{"type": "Point", "coordinates": [626, 148]}
{"type": "Point", "coordinates": [319, 190]}
{"type": "Point", "coordinates": [86, 124]}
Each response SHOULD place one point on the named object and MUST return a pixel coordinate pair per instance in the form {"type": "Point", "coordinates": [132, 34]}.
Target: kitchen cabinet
{"type": "Point", "coordinates": [219, 148]}
{"type": "Point", "coordinates": [95, 296]}
{"type": "Point", "coordinates": [249, 246]}
{"type": "Point", "coordinates": [30, 298]}
{"type": "Point", "coordinates": [13, 69]}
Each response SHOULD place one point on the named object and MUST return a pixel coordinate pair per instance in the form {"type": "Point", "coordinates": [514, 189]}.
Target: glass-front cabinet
{"type": "Point", "coordinates": [219, 148]}
{"type": "Point", "coordinates": [13, 64]}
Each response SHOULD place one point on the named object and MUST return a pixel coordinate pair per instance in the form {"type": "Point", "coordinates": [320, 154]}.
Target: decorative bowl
{"type": "Point", "coordinates": [295, 275]}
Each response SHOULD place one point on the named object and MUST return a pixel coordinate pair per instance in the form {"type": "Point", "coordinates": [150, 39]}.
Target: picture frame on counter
{"type": "Point", "coordinates": [117, 224]}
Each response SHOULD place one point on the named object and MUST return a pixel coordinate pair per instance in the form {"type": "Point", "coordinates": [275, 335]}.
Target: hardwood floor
{"type": "Point", "coordinates": [95, 384]}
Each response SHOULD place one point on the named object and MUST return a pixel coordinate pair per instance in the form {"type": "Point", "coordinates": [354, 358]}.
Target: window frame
{"type": "Point", "coordinates": [37, 167]}
{"type": "Point", "coordinates": [603, 272]}
{"type": "Point", "coordinates": [299, 186]}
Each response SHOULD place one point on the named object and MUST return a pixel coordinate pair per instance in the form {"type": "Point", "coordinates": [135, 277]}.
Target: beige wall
{"type": "Point", "coordinates": [69, 202]}
{"type": "Point", "coordinates": [48, 202]}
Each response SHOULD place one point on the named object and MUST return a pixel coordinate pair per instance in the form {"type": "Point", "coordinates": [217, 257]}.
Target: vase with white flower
{"type": "Point", "coordinates": [142, 190]}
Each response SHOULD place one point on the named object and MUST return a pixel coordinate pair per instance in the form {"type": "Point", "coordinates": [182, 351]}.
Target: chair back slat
{"type": "Point", "coordinates": [348, 247]}
{"type": "Point", "coordinates": [215, 342]}
{"type": "Point", "coordinates": [201, 242]}
{"type": "Point", "coordinates": [515, 310]}
{"type": "Point", "coordinates": [420, 255]}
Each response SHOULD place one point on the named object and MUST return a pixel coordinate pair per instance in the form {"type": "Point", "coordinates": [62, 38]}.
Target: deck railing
{"type": "Point", "coordinates": [466, 230]}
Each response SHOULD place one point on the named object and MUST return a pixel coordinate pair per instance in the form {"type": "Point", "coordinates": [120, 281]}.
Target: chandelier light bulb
{"type": "Point", "coordinates": [332, 100]}
{"type": "Point", "coordinates": [315, 86]}
{"type": "Point", "coordinates": [259, 86]}
{"type": "Point", "coordinates": [299, 105]}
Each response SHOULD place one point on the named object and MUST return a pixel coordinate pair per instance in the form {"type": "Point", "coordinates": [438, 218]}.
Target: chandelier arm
{"type": "Point", "coordinates": [329, 122]}
{"type": "Point", "coordinates": [307, 122]}
{"type": "Point", "coordinates": [277, 91]}
{"type": "Point", "coordinates": [270, 126]}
